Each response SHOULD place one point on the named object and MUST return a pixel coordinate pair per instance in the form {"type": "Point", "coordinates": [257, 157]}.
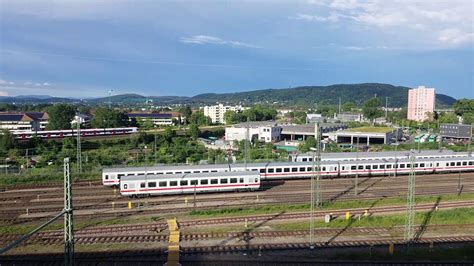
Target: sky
{"type": "Point", "coordinates": [90, 48]}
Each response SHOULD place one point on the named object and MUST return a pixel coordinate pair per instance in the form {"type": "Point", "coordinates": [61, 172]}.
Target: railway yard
{"type": "Point", "coordinates": [251, 226]}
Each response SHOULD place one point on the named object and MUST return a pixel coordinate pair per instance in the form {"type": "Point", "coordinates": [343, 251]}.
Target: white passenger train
{"type": "Point", "coordinates": [87, 132]}
{"type": "Point", "coordinates": [291, 170]}
{"type": "Point", "coordinates": [189, 183]}
{"type": "Point", "coordinates": [385, 155]}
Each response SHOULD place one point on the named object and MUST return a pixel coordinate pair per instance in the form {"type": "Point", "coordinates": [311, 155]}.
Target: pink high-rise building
{"type": "Point", "coordinates": [421, 101]}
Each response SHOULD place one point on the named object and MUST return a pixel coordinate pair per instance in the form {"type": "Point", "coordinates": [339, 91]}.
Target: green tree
{"type": "Point", "coordinates": [107, 117]}
{"type": "Point", "coordinates": [463, 106]}
{"type": "Point", "coordinates": [468, 118]}
{"type": "Point", "coordinates": [305, 146]}
{"type": "Point", "coordinates": [372, 109]}
{"type": "Point", "coordinates": [347, 107]}
{"type": "Point", "coordinates": [7, 140]}
{"type": "Point", "coordinates": [60, 116]}
{"type": "Point", "coordinates": [194, 131]}
{"type": "Point", "coordinates": [199, 118]}
{"type": "Point", "coordinates": [186, 112]}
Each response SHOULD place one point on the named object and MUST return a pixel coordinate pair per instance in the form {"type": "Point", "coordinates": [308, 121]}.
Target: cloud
{"type": "Point", "coordinates": [3, 93]}
{"type": "Point", "coordinates": [2, 82]}
{"type": "Point", "coordinates": [441, 23]}
{"type": "Point", "coordinates": [455, 37]}
{"type": "Point", "coordinates": [205, 39]}
{"type": "Point", "coordinates": [46, 84]}
{"type": "Point", "coordinates": [331, 18]}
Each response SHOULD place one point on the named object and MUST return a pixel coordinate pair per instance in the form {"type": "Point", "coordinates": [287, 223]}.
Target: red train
{"type": "Point", "coordinates": [91, 132]}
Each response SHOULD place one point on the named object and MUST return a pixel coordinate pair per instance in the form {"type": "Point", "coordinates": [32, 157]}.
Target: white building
{"type": "Point", "coordinates": [421, 102]}
{"type": "Point", "coordinates": [216, 112]}
{"type": "Point", "coordinates": [265, 131]}
{"type": "Point", "coordinates": [82, 119]}
{"type": "Point", "coordinates": [24, 121]}
{"type": "Point", "coordinates": [155, 119]}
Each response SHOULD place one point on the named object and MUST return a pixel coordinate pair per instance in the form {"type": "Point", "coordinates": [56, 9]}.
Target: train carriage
{"type": "Point", "coordinates": [292, 170]}
{"type": "Point", "coordinates": [189, 183]}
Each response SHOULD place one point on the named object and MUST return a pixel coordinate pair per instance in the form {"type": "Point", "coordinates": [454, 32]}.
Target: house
{"type": "Point", "coordinates": [33, 121]}
{"type": "Point", "coordinates": [156, 119]}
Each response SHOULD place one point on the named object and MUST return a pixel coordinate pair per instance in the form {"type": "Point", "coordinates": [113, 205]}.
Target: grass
{"type": "Point", "coordinates": [370, 129]}
{"type": "Point", "coordinates": [238, 211]}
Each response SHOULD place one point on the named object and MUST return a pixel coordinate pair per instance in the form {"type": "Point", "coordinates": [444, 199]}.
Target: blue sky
{"type": "Point", "coordinates": [85, 48]}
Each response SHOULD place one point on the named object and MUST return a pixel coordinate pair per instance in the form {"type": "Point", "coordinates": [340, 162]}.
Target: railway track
{"type": "Point", "coordinates": [87, 238]}
{"type": "Point", "coordinates": [203, 203]}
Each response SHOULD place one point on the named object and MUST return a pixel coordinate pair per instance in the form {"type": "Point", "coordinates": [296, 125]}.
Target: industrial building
{"type": "Point", "coordinates": [368, 136]}
{"type": "Point", "coordinates": [156, 119]}
{"type": "Point", "coordinates": [455, 131]}
{"type": "Point", "coordinates": [265, 131]}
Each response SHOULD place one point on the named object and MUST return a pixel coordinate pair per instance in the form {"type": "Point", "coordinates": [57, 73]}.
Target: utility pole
{"type": "Point", "coordinates": [410, 215]}
{"type": "Point", "coordinates": [315, 183]}
{"type": "Point", "coordinates": [155, 147]}
{"type": "Point", "coordinates": [79, 152]}
{"type": "Point", "coordinates": [68, 217]}
{"type": "Point", "coordinates": [246, 146]}
{"type": "Point", "coordinates": [356, 180]}
{"type": "Point", "coordinates": [27, 161]}
{"type": "Point", "coordinates": [339, 105]}
{"type": "Point", "coordinates": [110, 98]}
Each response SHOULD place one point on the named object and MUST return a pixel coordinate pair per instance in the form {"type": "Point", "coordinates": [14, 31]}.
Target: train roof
{"type": "Point", "coordinates": [194, 175]}
{"type": "Point", "coordinates": [383, 154]}
{"type": "Point", "coordinates": [233, 167]}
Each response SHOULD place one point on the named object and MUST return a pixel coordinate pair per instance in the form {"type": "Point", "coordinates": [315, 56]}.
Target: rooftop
{"type": "Point", "coordinates": [370, 129]}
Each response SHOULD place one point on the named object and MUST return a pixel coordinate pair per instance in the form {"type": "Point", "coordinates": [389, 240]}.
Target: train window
{"type": "Point", "coordinates": [309, 169]}
{"type": "Point", "coordinates": [119, 176]}
{"type": "Point", "coordinates": [256, 180]}
{"type": "Point", "coordinates": [194, 182]}
{"type": "Point", "coordinates": [422, 165]}
{"type": "Point", "coordinates": [177, 172]}
{"type": "Point", "coordinates": [278, 170]}
{"type": "Point", "coordinates": [233, 180]}
{"type": "Point", "coordinates": [142, 185]}
{"type": "Point", "coordinates": [204, 181]}
{"type": "Point", "coordinates": [271, 170]}
{"type": "Point", "coordinates": [360, 167]}
{"type": "Point", "coordinates": [214, 181]}
{"type": "Point", "coordinates": [173, 183]}
{"type": "Point", "coordinates": [324, 169]}
{"type": "Point", "coordinates": [159, 173]}
{"type": "Point", "coordinates": [254, 169]}
{"type": "Point", "coordinates": [205, 171]}
{"type": "Point", "coordinates": [389, 166]}
{"type": "Point", "coordinates": [452, 164]}
{"type": "Point", "coordinates": [437, 164]}
{"type": "Point", "coordinates": [310, 159]}
{"type": "Point", "coordinates": [302, 169]}
{"type": "Point", "coordinates": [196, 172]}
{"type": "Point", "coordinates": [224, 181]}
{"type": "Point", "coordinates": [125, 186]}
{"type": "Point", "coordinates": [382, 166]}
{"type": "Point", "coordinates": [151, 184]}
{"type": "Point", "coordinates": [169, 173]}
{"type": "Point", "coordinates": [367, 167]}
{"type": "Point", "coordinates": [402, 165]}
{"type": "Point", "coordinates": [471, 163]}
{"type": "Point", "coordinates": [140, 174]}
{"type": "Point", "coordinates": [241, 180]}
{"type": "Point", "coordinates": [162, 183]}
{"type": "Point", "coordinates": [187, 172]}
{"type": "Point", "coordinates": [106, 177]}
{"type": "Point", "coordinates": [464, 163]}
{"type": "Point", "coordinates": [262, 171]}
{"type": "Point", "coordinates": [286, 170]}
{"type": "Point", "coordinates": [213, 171]}
{"type": "Point", "coordinates": [375, 167]}
{"type": "Point", "coordinates": [304, 159]}
{"type": "Point", "coordinates": [353, 167]}
{"type": "Point", "coordinates": [416, 165]}
{"type": "Point", "coordinates": [183, 182]}
{"type": "Point", "coordinates": [458, 163]}
{"type": "Point", "coordinates": [294, 169]}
